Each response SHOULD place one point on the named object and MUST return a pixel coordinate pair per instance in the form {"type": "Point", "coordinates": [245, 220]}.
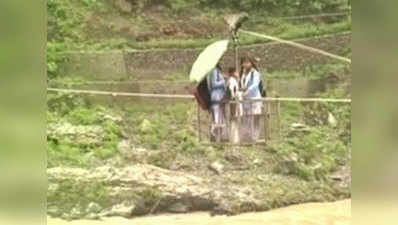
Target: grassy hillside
{"type": "Point", "coordinates": [129, 157]}
{"type": "Point", "coordinates": [103, 24]}
{"type": "Point", "coordinates": [128, 24]}
{"type": "Point", "coordinates": [300, 166]}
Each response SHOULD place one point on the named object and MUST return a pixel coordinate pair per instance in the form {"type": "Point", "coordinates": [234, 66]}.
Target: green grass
{"type": "Point", "coordinates": [163, 127]}
{"type": "Point", "coordinates": [82, 134]}
{"type": "Point", "coordinates": [314, 153]}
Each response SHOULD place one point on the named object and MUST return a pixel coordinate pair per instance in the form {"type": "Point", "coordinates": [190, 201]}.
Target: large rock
{"type": "Point", "coordinates": [332, 120]}
{"type": "Point", "coordinates": [123, 210]}
{"type": "Point", "coordinates": [139, 190]}
{"type": "Point", "coordinates": [80, 134]}
{"type": "Point", "coordinates": [217, 167]}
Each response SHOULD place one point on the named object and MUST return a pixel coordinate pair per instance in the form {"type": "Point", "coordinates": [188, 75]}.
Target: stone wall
{"type": "Point", "coordinates": [157, 64]}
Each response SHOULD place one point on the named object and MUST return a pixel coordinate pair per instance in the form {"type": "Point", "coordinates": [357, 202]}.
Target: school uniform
{"type": "Point", "coordinates": [250, 83]}
{"type": "Point", "coordinates": [217, 88]}
{"type": "Point", "coordinates": [236, 109]}
{"type": "Point", "coordinates": [252, 110]}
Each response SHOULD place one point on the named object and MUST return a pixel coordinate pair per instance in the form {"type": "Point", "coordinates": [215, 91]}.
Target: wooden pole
{"type": "Point", "coordinates": [199, 127]}
{"type": "Point", "coordinates": [279, 118]}
{"type": "Point", "coordinates": [236, 55]}
{"type": "Point", "coordinates": [269, 113]}
{"type": "Point", "coordinates": [265, 123]}
{"type": "Point", "coordinates": [251, 119]}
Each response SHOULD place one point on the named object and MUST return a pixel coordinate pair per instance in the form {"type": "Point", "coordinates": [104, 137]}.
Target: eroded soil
{"type": "Point", "coordinates": [336, 213]}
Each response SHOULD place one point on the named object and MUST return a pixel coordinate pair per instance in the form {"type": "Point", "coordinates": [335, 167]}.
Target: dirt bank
{"type": "Point", "coordinates": [304, 214]}
{"type": "Point", "coordinates": [145, 189]}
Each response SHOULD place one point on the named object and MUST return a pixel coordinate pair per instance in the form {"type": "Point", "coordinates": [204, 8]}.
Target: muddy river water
{"type": "Point", "coordinates": [335, 213]}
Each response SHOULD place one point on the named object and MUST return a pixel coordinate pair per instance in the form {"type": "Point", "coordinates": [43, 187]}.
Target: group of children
{"type": "Point", "coordinates": [246, 87]}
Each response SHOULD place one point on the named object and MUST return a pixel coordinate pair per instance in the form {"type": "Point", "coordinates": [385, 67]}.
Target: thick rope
{"type": "Point", "coordinates": [126, 94]}
{"type": "Point", "coordinates": [311, 49]}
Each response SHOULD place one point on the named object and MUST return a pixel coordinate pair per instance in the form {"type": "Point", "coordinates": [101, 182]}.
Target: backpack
{"type": "Point", "coordinates": [201, 93]}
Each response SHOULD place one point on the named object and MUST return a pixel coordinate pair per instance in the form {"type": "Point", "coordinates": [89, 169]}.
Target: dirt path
{"type": "Point", "coordinates": [336, 213]}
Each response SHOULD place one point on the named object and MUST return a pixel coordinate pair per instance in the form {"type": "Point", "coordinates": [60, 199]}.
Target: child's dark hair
{"type": "Point", "coordinates": [231, 70]}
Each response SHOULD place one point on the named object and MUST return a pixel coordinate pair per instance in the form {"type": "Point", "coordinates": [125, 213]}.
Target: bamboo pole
{"type": "Point", "coordinates": [127, 94]}
{"type": "Point", "coordinates": [116, 94]}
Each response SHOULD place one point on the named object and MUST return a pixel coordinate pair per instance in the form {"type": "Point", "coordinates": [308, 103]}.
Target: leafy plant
{"type": "Point", "coordinates": [80, 134]}
{"type": "Point", "coordinates": [54, 58]}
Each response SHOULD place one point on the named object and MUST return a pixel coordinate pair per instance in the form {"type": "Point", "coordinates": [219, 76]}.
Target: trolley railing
{"type": "Point", "coordinates": [267, 123]}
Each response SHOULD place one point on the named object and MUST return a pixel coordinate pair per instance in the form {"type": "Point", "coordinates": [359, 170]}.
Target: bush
{"type": "Point", "coordinates": [80, 134]}
{"type": "Point", "coordinates": [54, 58]}
{"type": "Point", "coordinates": [311, 155]}
{"type": "Point", "coordinates": [320, 149]}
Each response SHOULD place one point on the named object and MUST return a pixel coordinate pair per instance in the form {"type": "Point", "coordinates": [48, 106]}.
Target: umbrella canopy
{"type": "Point", "coordinates": [207, 60]}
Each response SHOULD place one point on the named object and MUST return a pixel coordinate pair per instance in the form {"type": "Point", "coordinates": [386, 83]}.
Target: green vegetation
{"type": "Point", "coordinates": [77, 196]}
{"type": "Point", "coordinates": [103, 25]}
{"type": "Point", "coordinates": [291, 170]}
{"type": "Point", "coordinates": [165, 128]}
{"type": "Point", "coordinates": [317, 148]}
{"type": "Point", "coordinates": [89, 199]}
{"type": "Point", "coordinates": [80, 134]}
{"type": "Point", "coordinates": [54, 59]}
{"type": "Point", "coordinates": [83, 132]}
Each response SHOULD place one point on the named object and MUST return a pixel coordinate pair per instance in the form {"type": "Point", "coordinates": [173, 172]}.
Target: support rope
{"type": "Point", "coordinates": [311, 49]}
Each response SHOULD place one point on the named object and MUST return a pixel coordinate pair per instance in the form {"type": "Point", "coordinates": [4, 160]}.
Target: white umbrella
{"type": "Point", "coordinates": [207, 60]}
